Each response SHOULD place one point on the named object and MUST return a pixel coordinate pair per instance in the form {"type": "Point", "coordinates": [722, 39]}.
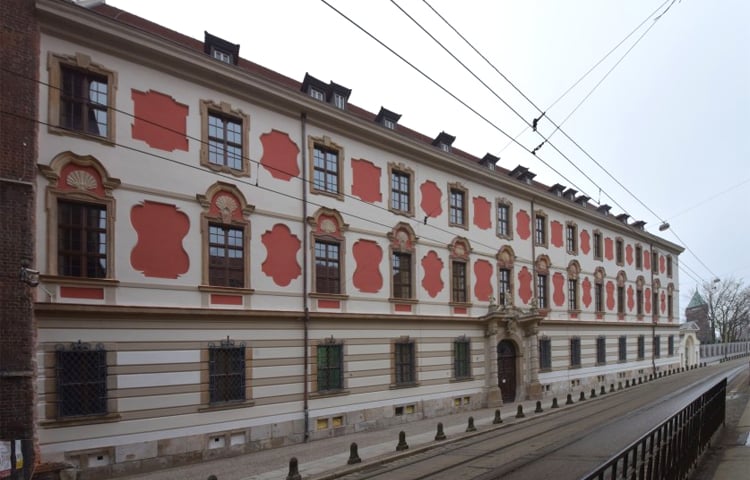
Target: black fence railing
{"type": "Point", "coordinates": [671, 450]}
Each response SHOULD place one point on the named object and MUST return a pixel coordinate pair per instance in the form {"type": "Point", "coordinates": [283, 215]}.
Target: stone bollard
{"type": "Point", "coordinates": [293, 470]}
{"type": "Point", "coordinates": [619, 385]}
{"type": "Point", "coordinates": [611, 387]}
{"type": "Point", "coordinates": [582, 397]}
{"type": "Point", "coordinates": [353, 454]}
{"type": "Point", "coordinates": [470, 427]}
{"type": "Point", "coordinates": [602, 391]}
{"type": "Point", "coordinates": [554, 403]}
{"type": "Point", "coordinates": [402, 442]}
{"type": "Point", "coordinates": [212, 477]}
{"type": "Point", "coordinates": [593, 393]}
{"type": "Point", "coordinates": [520, 414]}
{"type": "Point", "coordinates": [497, 420]}
{"type": "Point", "coordinates": [640, 380]}
{"type": "Point", "coordinates": [569, 400]}
{"type": "Point", "coordinates": [440, 433]}
{"type": "Point", "coordinates": [627, 383]}
{"type": "Point", "coordinates": [538, 408]}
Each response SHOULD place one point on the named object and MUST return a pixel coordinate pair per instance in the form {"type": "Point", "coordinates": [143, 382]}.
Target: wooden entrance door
{"type": "Point", "coordinates": [506, 370]}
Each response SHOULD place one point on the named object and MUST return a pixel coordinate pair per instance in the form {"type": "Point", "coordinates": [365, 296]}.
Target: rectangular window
{"type": "Point", "coordinates": [619, 252]}
{"type": "Point", "coordinates": [541, 290]}
{"type": "Point", "coordinates": [81, 239]}
{"type": "Point", "coordinates": [621, 300]}
{"type": "Point", "coordinates": [545, 354]}
{"type": "Point", "coordinates": [638, 257]}
{"type": "Point", "coordinates": [388, 123]}
{"type": "Point", "coordinates": [654, 262]}
{"type": "Point", "coordinates": [571, 237]}
{"type": "Point", "coordinates": [226, 263]}
{"type": "Point", "coordinates": [597, 246]}
{"type": "Point", "coordinates": [599, 297]}
{"type": "Point", "coordinates": [575, 352]}
{"type": "Point", "coordinates": [401, 275]}
{"type": "Point", "coordinates": [540, 230]}
{"type": "Point", "coordinates": [225, 141]}
{"type": "Point", "coordinates": [503, 287]}
{"type": "Point", "coordinates": [457, 208]}
{"type": "Point", "coordinates": [601, 351]}
{"type": "Point", "coordinates": [639, 301]}
{"type": "Point", "coordinates": [83, 101]}
{"type": "Point", "coordinates": [670, 306]}
{"type": "Point", "coordinates": [405, 363]}
{"type": "Point", "coordinates": [670, 345]}
{"type": "Point", "coordinates": [462, 358]}
{"type": "Point", "coordinates": [622, 348]}
{"type": "Point", "coordinates": [226, 372]}
{"type": "Point", "coordinates": [503, 220]}
{"type": "Point", "coordinates": [459, 290]}
{"type": "Point", "coordinates": [669, 266]}
{"type": "Point", "coordinates": [330, 367]}
{"type": "Point", "coordinates": [327, 267]}
{"type": "Point", "coordinates": [641, 347]}
{"type": "Point", "coordinates": [655, 305]}
{"type": "Point", "coordinates": [317, 94]}
{"type": "Point", "coordinates": [400, 194]}
{"type": "Point", "coordinates": [572, 294]}
{"type": "Point", "coordinates": [657, 346]}
{"type": "Point", "coordinates": [339, 101]}
{"type": "Point", "coordinates": [222, 56]}
{"type": "Point", "coordinates": [81, 381]}
{"type": "Point", "coordinates": [325, 169]}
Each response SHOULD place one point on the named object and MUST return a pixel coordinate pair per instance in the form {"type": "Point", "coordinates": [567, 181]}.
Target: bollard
{"type": "Point", "coordinates": [569, 401]}
{"type": "Point", "coordinates": [520, 414]}
{"type": "Point", "coordinates": [497, 420]}
{"type": "Point", "coordinates": [582, 397]}
{"type": "Point", "coordinates": [401, 442]}
{"type": "Point", "coordinates": [602, 391]}
{"type": "Point", "coordinates": [627, 383]}
{"type": "Point", "coordinates": [619, 385]}
{"type": "Point", "coordinates": [353, 454]}
{"type": "Point", "coordinates": [470, 427]}
{"type": "Point", "coordinates": [640, 380]}
{"type": "Point", "coordinates": [538, 408]}
{"type": "Point", "coordinates": [440, 433]}
{"type": "Point", "coordinates": [593, 393]}
{"type": "Point", "coordinates": [611, 387]}
{"type": "Point", "coordinates": [212, 477]}
{"type": "Point", "coordinates": [293, 470]}
{"type": "Point", "coordinates": [554, 403]}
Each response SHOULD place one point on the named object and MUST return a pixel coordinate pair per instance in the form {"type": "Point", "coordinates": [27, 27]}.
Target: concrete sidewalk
{"type": "Point", "coordinates": [734, 463]}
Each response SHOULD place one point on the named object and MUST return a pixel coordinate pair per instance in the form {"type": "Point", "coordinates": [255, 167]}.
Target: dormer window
{"type": "Point", "coordinates": [222, 56]}
{"type": "Point", "coordinates": [221, 49]}
{"type": "Point", "coordinates": [387, 123]}
{"type": "Point", "coordinates": [339, 101]}
{"type": "Point", "coordinates": [317, 94]}
{"type": "Point", "coordinates": [387, 118]}
{"type": "Point", "coordinates": [445, 147]}
{"type": "Point", "coordinates": [444, 141]}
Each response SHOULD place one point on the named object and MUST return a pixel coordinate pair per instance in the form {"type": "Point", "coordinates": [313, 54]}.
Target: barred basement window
{"type": "Point", "coordinates": [601, 351]}
{"type": "Point", "coordinates": [405, 363]}
{"type": "Point", "coordinates": [657, 346]}
{"type": "Point", "coordinates": [575, 352]}
{"type": "Point", "coordinates": [330, 366]}
{"type": "Point", "coordinates": [81, 380]}
{"type": "Point", "coordinates": [226, 370]}
{"type": "Point", "coordinates": [670, 345]}
{"type": "Point", "coordinates": [545, 354]}
{"type": "Point", "coordinates": [641, 347]}
{"type": "Point", "coordinates": [461, 358]}
{"type": "Point", "coordinates": [623, 348]}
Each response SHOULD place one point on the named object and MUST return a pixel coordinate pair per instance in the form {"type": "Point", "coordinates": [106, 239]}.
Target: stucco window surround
{"type": "Point", "coordinates": [597, 244]}
{"type": "Point", "coordinates": [574, 289]}
{"type": "Point", "coordinates": [404, 371]}
{"type": "Point", "coordinates": [224, 110]}
{"type": "Point", "coordinates": [670, 302]}
{"type": "Point", "coordinates": [638, 256]}
{"type": "Point", "coordinates": [639, 299]}
{"type": "Point", "coordinates": [571, 238]}
{"type": "Point", "coordinates": [460, 272]}
{"type": "Point", "coordinates": [622, 279]}
{"type": "Point", "coordinates": [396, 193]}
{"type": "Point", "coordinates": [205, 376]}
{"type": "Point", "coordinates": [327, 227]}
{"type": "Point", "coordinates": [619, 251]}
{"type": "Point", "coordinates": [506, 259]}
{"type": "Point", "coordinates": [81, 62]}
{"type": "Point", "coordinates": [599, 293]}
{"type": "Point", "coordinates": [541, 229]}
{"type": "Point", "coordinates": [541, 283]}
{"type": "Point", "coordinates": [78, 179]}
{"type": "Point", "coordinates": [327, 344]}
{"type": "Point", "coordinates": [224, 205]}
{"type": "Point", "coordinates": [402, 241]}
{"type": "Point", "coordinates": [670, 266]}
{"type": "Point", "coordinates": [655, 301]}
{"type": "Point", "coordinates": [329, 181]}
{"type": "Point", "coordinates": [507, 207]}
{"type": "Point", "coordinates": [458, 205]}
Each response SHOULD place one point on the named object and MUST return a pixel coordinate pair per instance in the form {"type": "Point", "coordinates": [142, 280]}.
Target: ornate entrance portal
{"type": "Point", "coordinates": [506, 370]}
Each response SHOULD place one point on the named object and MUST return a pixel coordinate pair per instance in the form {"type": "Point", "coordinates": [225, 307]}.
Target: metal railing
{"type": "Point", "coordinates": [670, 450]}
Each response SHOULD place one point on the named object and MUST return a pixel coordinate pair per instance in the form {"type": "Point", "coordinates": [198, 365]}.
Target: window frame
{"type": "Point", "coordinates": [542, 287]}
{"type": "Point", "coordinates": [597, 245]}
{"type": "Point", "coordinates": [404, 362]}
{"type": "Point", "coordinates": [657, 346]}
{"type": "Point", "coordinates": [456, 190]}
{"type": "Point", "coordinates": [325, 143]}
{"type": "Point", "coordinates": [670, 345]}
{"type": "Point", "coordinates": [84, 231]}
{"type": "Point", "coordinates": [575, 352]}
{"type": "Point", "coordinates": [670, 267]}
{"type": "Point", "coordinates": [226, 259]}
{"type": "Point", "coordinates": [240, 351]}
{"type": "Point", "coordinates": [82, 384]}
{"type": "Point", "coordinates": [318, 276]}
{"type": "Point", "coordinates": [329, 369]}
{"type": "Point", "coordinates": [571, 238]}
{"type": "Point", "coordinates": [402, 170]}
{"type": "Point", "coordinates": [507, 205]}
{"type": "Point", "coordinates": [545, 354]}
{"type": "Point", "coordinates": [402, 242]}
{"type": "Point", "coordinates": [409, 274]}
{"type": "Point", "coordinates": [328, 227]}
{"type": "Point", "coordinates": [641, 347]}
{"type": "Point", "coordinates": [601, 350]}
{"type": "Point", "coordinates": [622, 348]}
{"type": "Point", "coordinates": [639, 257]}
{"type": "Point", "coordinates": [619, 251]}
{"type": "Point", "coordinates": [224, 110]}
{"type": "Point", "coordinates": [462, 358]}
{"type": "Point", "coordinates": [459, 274]}
{"type": "Point", "coordinates": [541, 230]}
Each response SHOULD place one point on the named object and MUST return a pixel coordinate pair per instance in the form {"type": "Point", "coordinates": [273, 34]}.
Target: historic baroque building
{"type": "Point", "coordinates": [234, 260]}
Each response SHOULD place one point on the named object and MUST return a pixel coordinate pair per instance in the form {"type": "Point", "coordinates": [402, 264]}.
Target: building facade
{"type": "Point", "coordinates": [233, 260]}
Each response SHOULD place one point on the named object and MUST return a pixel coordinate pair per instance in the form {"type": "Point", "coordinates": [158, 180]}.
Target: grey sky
{"type": "Point", "coordinates": [670, 122]}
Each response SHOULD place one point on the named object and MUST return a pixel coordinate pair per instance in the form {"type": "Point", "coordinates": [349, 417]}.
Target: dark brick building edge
{"type": "Point", "coordinates": [19, 100]}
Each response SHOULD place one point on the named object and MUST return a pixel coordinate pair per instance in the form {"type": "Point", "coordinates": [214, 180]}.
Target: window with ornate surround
{"type": "Point", "coordinates": [505, 260]}
{"type": "Point", "coordinates": [599, 276]}
{"type": "Point", "coordinates": [619, 251]}
{"type": "Point", "coordinates": [574, 271]}
{"type": "Point", "coordinates": [541, 270]}
{"type": "Point", "coordinates": [401, 200]}
{"type": "Point", "coordinates": [227, 378]}
{"type": "Point", "coordinates": [638, 257]}
{"type": "Point", "coordinates": [326, 167]}
{"type": "Point", "coordinates": [404, 362]}
{"type": "Point", "coordinates": [669, 266]}
{"type": "Point", "coordinates": [639, 297]}
{"type": "Point", "coordinates": [571, 238]}
{"type": "Point", "coordinates": [621, 279]}
{"type": "Point", "coordinates": [670, 302]}
{"type": "Point", "coordinates": [460, 265]}
{"type": "Point", "coordinates": [225, 133]}
{"type": "Point", "coordinates": [504, 209]}
{"type": "Point", "coordinates": [403, 273]}
{"type": "Point", "coordinates": [597, 245]}
{"type": "Point", "coordinates": [328, 254]}
{"type": "Point", "coordinates": [81, 381]}
{"type": "Point", "coordinates": [540, 229]}
{"type": "Point", "coordinates": [81, 97]}
{"type": "Point", "coordinates": [458, 206]}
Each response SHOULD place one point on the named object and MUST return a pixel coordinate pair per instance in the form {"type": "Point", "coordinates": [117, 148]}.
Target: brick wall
{"type": "Point", "coordinates": [19, 61]}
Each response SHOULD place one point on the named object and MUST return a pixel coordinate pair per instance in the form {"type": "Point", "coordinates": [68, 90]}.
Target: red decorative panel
{"type": "Point", "coordinates": [523, 224]}
{"type": "Point", "coordinates": [663, 298]}
{"type": "Point", "coordinates": [647, 260]}
{"type": "Point", "coordinates": [662, 264]}
{"type": "Point", "coordinates": [610, 295]}
{"type": "Point", "coordinates": [556, 230]}
{"type": "Point", "coordinates": [279, 155]}
{"type": "Point", "coordinates": [432, 266]}
{"type": "Point", "coordinates": [524, 285]}
{"type": "Point", "coordinates": [431, 199]}
{"type": "Point", "coordinates": [159, 121]}
{"type": "Point", "coordinates": [585, 242]}
{"type": "Point", "coordinates": [459, 310]}
{"type": "Point", "coordinates": [89, 293]}
{"type": "Point", "coordinates": [402, 307]}
{"type": "Point", "coordinates": [367, 256]}
{"type": "Point", "coordinates": [328, 303]}
{"type": "Point", "coordinates": [483, 283]}
{"type": "Point", "coordinates": [586, 292]}
{"type": "Point", "coordinates": [608, 249]}
{"type": "Point", "coordinates": [74, 177]}
{"type": "Point", "coordinates": [558, 282]}
{"type": "Point", "coordinates": [218, 299]}
{"type": "Point", "coordinates": [631, 300]}
{"type": "Point", "coordinates": [281, 255]}
{"type": "Point", "coordinates": [159, 251]}
{"type": "Point", "coordinates": [647, 294]}
{"type": "Point", "coordinates": [482, 213]}
{"type": "Point", "coordinates": [366, 181]}
{"type": "Point", "coordinates": [629, 254]}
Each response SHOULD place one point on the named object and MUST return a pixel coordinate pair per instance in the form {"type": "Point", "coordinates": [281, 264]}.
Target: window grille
{"type": "Point", "coordinates": [575, 352]}
{"type": "Point", "coordinates": [641, 347]}
{"type": "Point", "coordinates": [601, 351]}
{"type": "Point", "coordinates": [623, 349]}
{"type": "Point", "coordinates": [226, 370]}
{"type": "Point", "coordinates": [405, 363]}
{"type": "Point", "coordinates": [81, 380]}
{"type": "Point", "coordinates": [462, 358]}
{"type": "Point", "coordinates": [330, 366]}
{"type": "Point", "coordinates": [545, 354]}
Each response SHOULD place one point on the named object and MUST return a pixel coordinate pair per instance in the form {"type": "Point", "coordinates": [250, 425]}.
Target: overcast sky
{"type": "Point", "coordinates": [670, 122]}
